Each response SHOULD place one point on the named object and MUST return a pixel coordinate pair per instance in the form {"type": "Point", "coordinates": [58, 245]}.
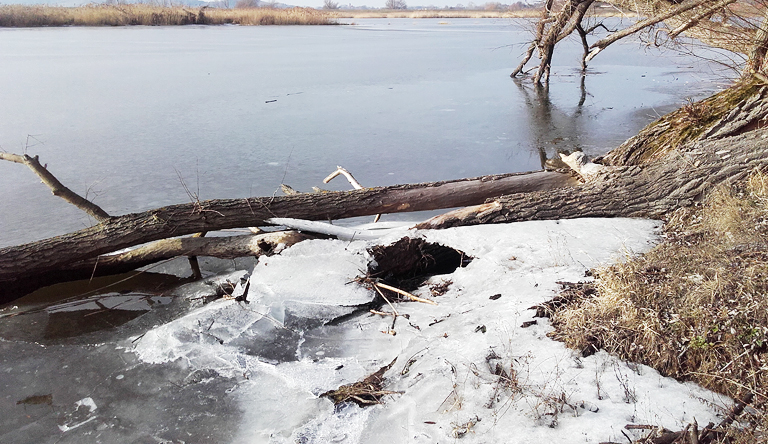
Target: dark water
{"type": "Point", "coordinates": [140, 117]}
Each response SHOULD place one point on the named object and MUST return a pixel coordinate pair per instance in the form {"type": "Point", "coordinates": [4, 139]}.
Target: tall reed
{"type": "Point", "coordinates": [139, 14]}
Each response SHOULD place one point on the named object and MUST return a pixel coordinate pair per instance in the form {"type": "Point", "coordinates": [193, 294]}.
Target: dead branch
{"type": "Point", "coordinates": [342, 171]}
{"type": "Point", "coordinates": [367, 392]}
{"type": "Point", "coordinates": [403, 293]}
{"type": "Point", "coordinates": [229, 247]}
{"type": "Point", "coordinates": [352, 181]}
{"type": "Point", "coordinates": [696, 19]}
{"type": "Point", "coordinates": [57, 188]}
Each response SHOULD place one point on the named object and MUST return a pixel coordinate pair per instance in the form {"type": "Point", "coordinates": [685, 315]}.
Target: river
{"type": "Point", "coordinates": [140, 117]}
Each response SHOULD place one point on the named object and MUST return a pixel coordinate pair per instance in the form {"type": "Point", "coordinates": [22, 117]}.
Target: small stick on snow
{"type": "Point", "coordinates": [404, 293]}
{"type": "Point", "coordinates": [381, 313]}
{"type": "Point", "coordinates": [639, 427]}
{"type": "Point", "coordinates": [387, 300]}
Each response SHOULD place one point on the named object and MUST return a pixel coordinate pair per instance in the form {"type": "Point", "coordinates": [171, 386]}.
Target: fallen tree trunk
{"type": "Point", "coordinates": [229, 247]}
{"type": "Point", "coordinates": [651, 174]}
{"type": "Point", "coordinates": [679, 179]}
{"type": "Point", "coordinates": [24, 262]}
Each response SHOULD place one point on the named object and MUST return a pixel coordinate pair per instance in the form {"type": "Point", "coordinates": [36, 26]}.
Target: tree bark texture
{"type": "Point", "coordinates": [25, 261]}
{"type": "Point", "coordinates": [677, 180]}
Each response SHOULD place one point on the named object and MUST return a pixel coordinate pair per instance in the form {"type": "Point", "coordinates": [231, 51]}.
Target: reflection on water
{"type": "Point", "coordinates": [78, 308]}
{"type": "Point", "coordinates": [554, 131]}
{"type": "Point", "coordinates": [97, 313]}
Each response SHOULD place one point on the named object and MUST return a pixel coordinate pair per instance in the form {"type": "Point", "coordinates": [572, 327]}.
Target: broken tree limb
{"type": "Point", "coordinates": [57, 188]}
{"type": "Point", "coordinates": [342, 233]}
{"type": "Point", "coordinates": [404, 293]}
{"type": "Point", "coordinates": [677, 180]}
{"type": "Point", "coordinates": [342, 171]}
{"type": "Point", "coordinates": [229, 247]}
{"type": "Point", "coordinates": [584, 167]}
{"type": "Point", "coordinates": [25, 261]}
{"type": "Point", "coordinates": [194, 263]}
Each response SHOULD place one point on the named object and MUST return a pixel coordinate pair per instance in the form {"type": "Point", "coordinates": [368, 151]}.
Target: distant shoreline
{"type": "Point", "coordinates": [22, 16]}
{"type": "Point", "coordinates": [457, 13]}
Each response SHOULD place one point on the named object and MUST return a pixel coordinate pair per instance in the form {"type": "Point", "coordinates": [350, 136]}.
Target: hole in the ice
{"type": "Point", "coordinates": [409, 262]}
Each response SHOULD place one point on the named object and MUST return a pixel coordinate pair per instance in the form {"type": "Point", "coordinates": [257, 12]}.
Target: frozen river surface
{"type": "Point", "coordinates": [128, 114]}
{"type": "Point", "coordinates": [124, 115]}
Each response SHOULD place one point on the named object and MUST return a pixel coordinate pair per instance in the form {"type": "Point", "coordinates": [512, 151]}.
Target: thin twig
{"type": "Point", "coordinates": [387, 300]}
{"type": "Point", "coordinates": [404, 293]}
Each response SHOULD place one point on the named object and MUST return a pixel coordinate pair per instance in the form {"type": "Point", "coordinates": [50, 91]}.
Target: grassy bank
{"type": "Point", "coordinates": [694, 307]}
{"type": "Point", "coordinates": [138, 14]}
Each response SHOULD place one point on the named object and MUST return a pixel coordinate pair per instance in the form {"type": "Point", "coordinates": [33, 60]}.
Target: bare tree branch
{"type": "Point", "coordinates": [57, 188]}
{"type": "Point", "coordinates": [696, 19]}
{"type": "Point", "coordinates": [650, 21]}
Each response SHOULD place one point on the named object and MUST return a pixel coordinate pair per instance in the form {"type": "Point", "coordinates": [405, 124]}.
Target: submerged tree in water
{"type": "Point", "coordinates": [737, 26]}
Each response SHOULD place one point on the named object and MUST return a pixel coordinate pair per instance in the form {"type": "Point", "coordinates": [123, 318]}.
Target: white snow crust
{"type": "Point", "coordinates": [446, 354]}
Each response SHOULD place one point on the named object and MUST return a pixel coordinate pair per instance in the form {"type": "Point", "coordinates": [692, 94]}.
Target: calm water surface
{"type": "Point", "coordinates": [125, 115]}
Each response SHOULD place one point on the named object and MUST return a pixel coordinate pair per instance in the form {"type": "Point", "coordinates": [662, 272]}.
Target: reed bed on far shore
{"type": "Point", "coordinates": [524, 13]}
{"type": "Point", "coordinates": [445, 13]}
{"type": "Point", "coordinates": [20, 16]}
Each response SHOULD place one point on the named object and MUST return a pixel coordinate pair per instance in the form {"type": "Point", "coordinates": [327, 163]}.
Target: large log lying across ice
{"type": "Point", "coordinates": [23, 262]}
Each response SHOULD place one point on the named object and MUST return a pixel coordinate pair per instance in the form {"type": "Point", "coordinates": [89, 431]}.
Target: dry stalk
{"type": "Point", "coordinates": [403, 292]}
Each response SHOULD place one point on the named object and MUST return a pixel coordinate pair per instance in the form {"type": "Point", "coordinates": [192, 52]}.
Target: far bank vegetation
{"type": "Point", "coordinates": [241, 12]}
{"type": "Point", "coordinates": [19, 16]}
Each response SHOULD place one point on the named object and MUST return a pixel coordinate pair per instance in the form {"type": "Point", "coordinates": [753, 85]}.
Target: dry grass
{"type": "Point", "coordinates": [696, 306]}
{"type": "Point", "coordinates": [364, 393]}
{"type": "Point", "coordinates": [532, 13]}
{"type": "Point", "coordinates": [139, 14]}
{"type": "Point", "coordinates": [445, 13]}
{"type": "Point", "coordinates": [679, 127]}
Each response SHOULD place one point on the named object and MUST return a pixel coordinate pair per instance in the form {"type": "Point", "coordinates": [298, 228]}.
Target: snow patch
{"type": "Point", "coordinates": [465, 368]}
